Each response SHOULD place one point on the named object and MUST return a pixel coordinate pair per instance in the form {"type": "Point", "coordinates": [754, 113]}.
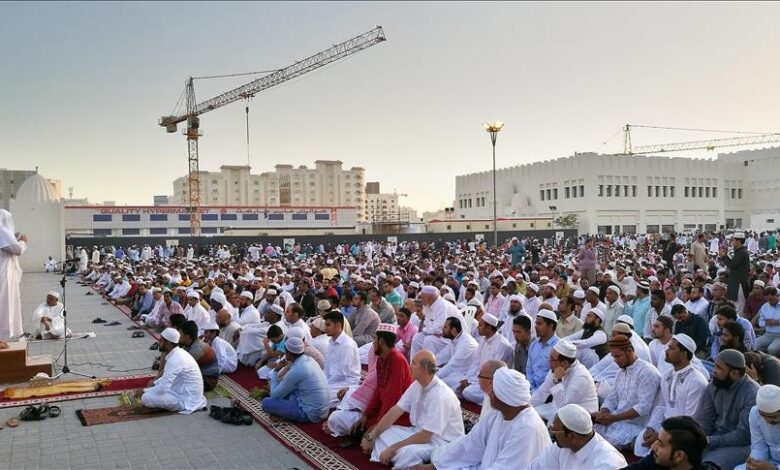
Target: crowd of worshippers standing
{"type": "Point", "coordinates": [582, 353]}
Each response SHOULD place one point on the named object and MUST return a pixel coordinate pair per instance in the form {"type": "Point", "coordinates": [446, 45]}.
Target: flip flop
{"type": "Point", "coordinates": [54, 411]}
{"type": "Point", "coordinates": [134, 327]}
{"type": "Point", "coordinates": [89, 293]}
{"type": "Point", "coordinates": [138, 334]}
{"type": "Point", "coordinates": [113, 323]}
{"type": "Point", "coordinates": [99, 320]}
{"type": "Point", "coordinates": [154, 347]}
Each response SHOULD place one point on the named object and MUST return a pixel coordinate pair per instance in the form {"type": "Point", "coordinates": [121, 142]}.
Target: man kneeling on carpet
{"type": "Point", "coordinates": [180, 387]}
{"type": "Point", "coordinates": [434, 412]}
{"type": "Point", "coordinates": [302, 394]}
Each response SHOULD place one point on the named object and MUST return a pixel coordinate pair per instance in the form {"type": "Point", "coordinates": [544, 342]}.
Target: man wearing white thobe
{"type": "Point", "coordinates": [579, 447]}
{"type": "Point", "coordinates": [567, 382]}
{"type": "Point", "coordinates": [227, 358]}
{"type": "Point", "coordinates": [682, 388]}
{"type": "Point", "coordinates": [511, 434]}
{"type": "Point", "coordinates": [492, 346]}
{"type": "Point", "coordinates": [11, 248]}
{"type": "Point", "coordinates": [248, 314]}
{"type": "Point", "coordinates": [342, 365]}
{"type": "Point", "coordinates": [434, 413]}
{"type": "Point", "coordinates": [437, 310]}
{"type": "Point", "coordinates": [464, 354]}
{"type": "Point", "coordinates": [180, 387]}
{"type": "Point", "coordinates": [194, 311]}
{"type": "Point", "coordinates": [95, 255]}
{"type": "Point", "coordinates": [48, 318]}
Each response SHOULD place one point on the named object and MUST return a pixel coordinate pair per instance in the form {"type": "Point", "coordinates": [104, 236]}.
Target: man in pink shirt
{"type": "Point", "coordinates": [405, 331]}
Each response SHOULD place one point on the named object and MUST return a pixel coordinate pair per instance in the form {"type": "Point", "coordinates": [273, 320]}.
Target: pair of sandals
{"type": "Point", "coordinates": [138, 334]}
{"type": "Point", "coordinates": [40, 412]}
{"type": "Point", "coordinates": [230, 415]}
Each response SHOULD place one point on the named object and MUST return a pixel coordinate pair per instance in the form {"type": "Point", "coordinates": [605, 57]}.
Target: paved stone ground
{"type": "Point", "coordinates": [177, 441]}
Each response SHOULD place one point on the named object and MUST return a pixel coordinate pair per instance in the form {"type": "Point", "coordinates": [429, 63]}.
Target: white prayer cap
{"type": "Point", "coordinates": [652, 279]}
{"type": "Point", "coordinates": [532, 286]}
{"type": "Point", "coordinates": [193, 295]}
{"type": "Point", "coordinates": [739, 236]}
{"type": "Point", "coordinates": [598, 312]}
{"type": "Point", "coordinates": [295, 332]}
{"type": "Point", "coordinates": [626, 319]}
{"type": "Point", "coordinates": [54, 294]}
{"type": "Point", "coordinates": [171, 334]}
{"type": "Point", "coordinates": [212, 325]}
{"type": "Point", "coordinates": [579, 294]}
{"type": "Point", "coordinates": [758, 283]}
{"type": "Point", "coordinates": [614, 289]}
{"type": "Point", "coordinates": [565, 348]}
{"type": "Point", "coordinates": [276, 309]}
{"type": "Point", "coordinates": [511, 387]}
{"type": "Point", "coordinates": [768, 399]}
{"type": "Point", "coordinates": [551, 285]}
{"type": "Point", "coordinates": [294, 345]}
{"type": "Point", "coordinates": [548, 314]}
{"type": "Point", "coordinates": [594, 289]}
{"type": "Point", "coordinates": [575, 418]}
{"type": "Point", "coordinates": [414, 284]}
{"type": "Point", "coordinates": [219, 297]}
{"type": "Point", "coordinates": [248, 294]}
{"type": "Point", "coordinates": [685, 341]}
{"type": "Point", "coordinates": [429, 290]}
{"type": "Point", "coordinates": [449, 296]}
{"type": "Point", "coordinates": [156, 289]}
{"type": "Point", "coordinates": [386, 327]}
{"type": "Point", "coordinates": [516, 298]}
{"type": "Point", "coordinates": [318, 323]}
{"type": "Point", "coordinates": [475, 302]}
{"type": "Point", "coordinates": [490, 319]}
{"type": "Point", "coordinates": [323, 304]}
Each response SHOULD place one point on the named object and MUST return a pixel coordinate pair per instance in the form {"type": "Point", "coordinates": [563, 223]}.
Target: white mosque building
{"type": "Point", "coordinates": [633, 193]}
{"type": "Point", "coordinates": [38, 212]}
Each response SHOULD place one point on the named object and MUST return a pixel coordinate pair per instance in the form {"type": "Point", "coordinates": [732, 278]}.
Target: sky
{"type": "Point", "coordinates": [83, 85]}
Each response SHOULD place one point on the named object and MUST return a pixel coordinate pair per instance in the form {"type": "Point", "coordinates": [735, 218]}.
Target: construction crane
{"type": "Point", "coordinates": [748, 138]}
{"type": "Point", "coordinates": [193, 110]}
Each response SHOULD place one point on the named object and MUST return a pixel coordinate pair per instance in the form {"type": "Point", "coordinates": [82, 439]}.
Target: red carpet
{"type": "Point", "coordinates": [117, 386]}
{"type": "Point", "coordinates": [246, 377]}
{"type": "Point", "coordinates": [118, 414]}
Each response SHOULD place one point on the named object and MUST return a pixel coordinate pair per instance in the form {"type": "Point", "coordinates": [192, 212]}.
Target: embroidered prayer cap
{"type": "Point", "coordinates": [386, 328]}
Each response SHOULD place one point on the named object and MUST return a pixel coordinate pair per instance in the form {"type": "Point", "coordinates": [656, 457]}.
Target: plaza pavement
{"type": "Point", "coordinates": [176, 441]}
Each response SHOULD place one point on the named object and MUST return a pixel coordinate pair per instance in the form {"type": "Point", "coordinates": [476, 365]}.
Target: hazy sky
{"type": "Point", "coordinates": [83, 85]}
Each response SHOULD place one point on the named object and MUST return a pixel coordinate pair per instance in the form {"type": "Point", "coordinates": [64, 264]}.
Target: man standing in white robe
{"type": "Point", "coordinates": [513, 433]}
{"type": "Point", "coordinates": [434, 412]}
{"type": "Point", "coordinates": [11, 248]}
{"type": "Point", "coordinates": [48, 318]}
{"type": "Point", "coordinates": [180, 387]}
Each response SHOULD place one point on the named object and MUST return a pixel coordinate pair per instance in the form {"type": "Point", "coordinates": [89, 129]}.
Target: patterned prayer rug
{"type": "Point", "coordinates": [116, 386]}
{"type": "Point", "coordinates": [118, 414]}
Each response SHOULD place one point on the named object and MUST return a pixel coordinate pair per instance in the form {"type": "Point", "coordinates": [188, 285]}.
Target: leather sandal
{"type": "Point", "coordinates": [34, 413]}
{"type": "Point", "coordinates": [99, 320]}
{"type": "Point", "coordinates": [138, 334]}
{"type": "Point", "coordinates": [54, 411]}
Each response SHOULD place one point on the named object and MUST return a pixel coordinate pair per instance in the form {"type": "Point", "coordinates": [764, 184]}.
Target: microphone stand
{"type": "Point", "coordinates": [65, 368]}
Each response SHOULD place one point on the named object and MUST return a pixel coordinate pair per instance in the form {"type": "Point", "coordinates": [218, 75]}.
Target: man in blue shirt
{"type": "Point", "coordinates": [639, 307]}
{"type": "Point", "coordinates": [301, 393]}
{"type": "Point", "coordinates": [769, 318]}
{"type": "Point", "coordinates": [539, 351]}
{"type": "Point", "coordinates": [517, 250]}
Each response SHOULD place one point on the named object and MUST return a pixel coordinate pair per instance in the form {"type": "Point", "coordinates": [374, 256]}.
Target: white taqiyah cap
{"type": "Point", "coordinates": [516, 298]}
{"type": "Point", "coordinates": [565, 348]}
{"type": "Point", "coordinates": [490, 319]}
{"type": "Point", "coordinates": [575, 418]}
{"type": "Point", "coordinates": [295, 332]}
{"type": "Point", "coordinates": [551, 285]}
{"type": "Point", "coordinates": [598, 312]}
{"type": "Point", "coordinates": [449, 296]}
{"type": "Point", "coordinates": [475, 302]}
{"type": "Point", "coordinates": [414, 284]}
{"type": "Point", "coordinates": [511, 387]}
{"type": "Point", "coordinates": [248, 294]}
{"type": "Point", "coordinates": [294, 345]}
{"type": "Point", "coordinates": [319, 323]}
{"type": "Point", "coordinates": [579, 294]}
{"type": "Point", "coordinates": [594, 289]}
{"type": "Point", "coordinates": [270, 292]}
{"type": "Point", "coordinates": [768, 399]}
{"type": "Point", "coordinates": [548, 314]}
{"type": "Point", "coordinates": [626, 319]}
{"type": "Point", "coordinates": [685, 341]}
{"type": "Point", "coordinates": [54, 294]}
{"type": "Point", "coordinates": [193, 294]}
{"type": "Point", "coordinates": [171, 334]}
{"type": "Point", "coordinates": [759, 283]}
{"type": "Point", "coordinates": [739, 235]}
{"type": "Point", "coordinates": [532, 286]}
{"type": "Point", "coordinates": [614, 289]}
{"type": "Point", "coordinates": [212, 325]}
{"type": "Point", "coordinates": [429, 290]}
{"type": "Point", "coordinates": [276, 309]}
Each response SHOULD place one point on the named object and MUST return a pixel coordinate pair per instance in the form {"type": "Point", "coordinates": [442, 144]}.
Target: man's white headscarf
{"type": "Point", "coordinates": [7, 236]}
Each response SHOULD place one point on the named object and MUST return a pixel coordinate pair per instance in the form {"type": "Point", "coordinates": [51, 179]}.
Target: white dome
{"type": "Point", "coordinates": [35, 189]}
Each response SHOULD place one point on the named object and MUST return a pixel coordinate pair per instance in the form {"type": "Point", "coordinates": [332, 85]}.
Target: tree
{"type": "Point", "coordinates": [566, 221]}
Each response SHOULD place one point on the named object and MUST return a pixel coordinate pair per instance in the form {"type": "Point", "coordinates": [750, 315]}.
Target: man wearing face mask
{"type": "Point", "coordinates": [723, 412]}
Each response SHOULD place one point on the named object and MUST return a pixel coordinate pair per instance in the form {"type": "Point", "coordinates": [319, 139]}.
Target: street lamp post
{"type": "Point", "coordinates": [493, 129]}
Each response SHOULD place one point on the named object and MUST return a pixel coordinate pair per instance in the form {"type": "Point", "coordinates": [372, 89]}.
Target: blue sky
{"type": "Point", "coordinates": [83, 85]}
